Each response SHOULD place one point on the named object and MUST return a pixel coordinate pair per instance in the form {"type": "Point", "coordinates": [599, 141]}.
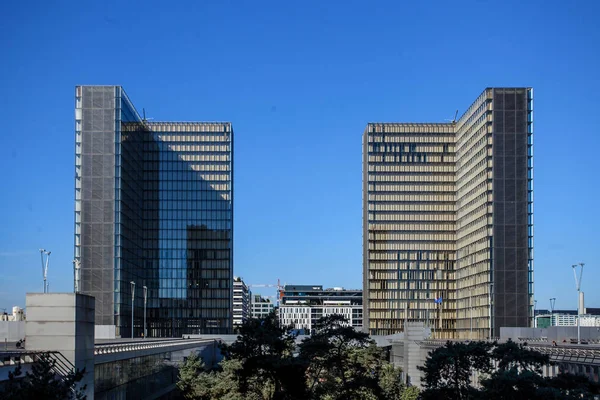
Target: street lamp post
{"type": "Point", "coordinates": [45, 268]}
{"type": "Point", "coordinates": [578, 285]}
{"type": "Point", "coordinates": [132, 301]}
{"type": "Point", "coordinates": [145, 301]}
{"type": "Point", "coordinates": [534, 311]}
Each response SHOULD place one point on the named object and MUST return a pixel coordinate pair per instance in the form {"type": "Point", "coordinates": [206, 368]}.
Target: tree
{"type": "Point", "coordinates": [336, 362]}
{"type": "Point", "coordinates": [410, 393]}
{"type": "Point", "coordinates": [448, 369]}
{"type": "Point", "coordinates": [265, 351]}
{"type": "Point", "coordinates": [570, 387]}
{"type": "Point", "coordinates": [390, 381]}
{"type": "Point", "coordinates": [342, 362]}
{"type": "Point", "coordinates": [517, 376]}
{"type": "Point", "coordinates": [42, 382]}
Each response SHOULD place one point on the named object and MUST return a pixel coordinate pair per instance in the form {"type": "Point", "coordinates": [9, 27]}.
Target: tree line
{"type": "Point", "coordinates": [338, 362]}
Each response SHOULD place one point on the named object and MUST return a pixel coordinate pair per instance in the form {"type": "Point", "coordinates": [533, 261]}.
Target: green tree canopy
{"type": "Point", "coordinates": [517, 375]}
{"type": "Point", "coordinates": [336, 362]}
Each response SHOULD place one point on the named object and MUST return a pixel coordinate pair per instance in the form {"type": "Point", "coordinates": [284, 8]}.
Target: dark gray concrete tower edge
{"type": "Point", "coordinates": [512, 246]}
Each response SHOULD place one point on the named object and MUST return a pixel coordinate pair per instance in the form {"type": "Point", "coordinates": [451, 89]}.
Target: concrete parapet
{"type": "Point", "coordinates": [63, 322]}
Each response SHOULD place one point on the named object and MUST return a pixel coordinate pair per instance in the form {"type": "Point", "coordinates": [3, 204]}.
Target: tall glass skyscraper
{"type": "Point", "coordinates": [448, 220]}
{"type": "Point", "coordinates": [153, 206]}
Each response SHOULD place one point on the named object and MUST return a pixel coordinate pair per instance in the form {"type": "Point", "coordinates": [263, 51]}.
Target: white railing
{"type": "Point", "coordinates": [111, 348]}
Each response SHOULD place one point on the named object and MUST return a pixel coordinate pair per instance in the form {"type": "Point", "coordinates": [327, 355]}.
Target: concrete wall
{"type": "Point", "coordinates": [11, 331]}
{"type": "Point", "coordinates": [63, 322]}
{"type": "Point", "coordinates": [105, 332]}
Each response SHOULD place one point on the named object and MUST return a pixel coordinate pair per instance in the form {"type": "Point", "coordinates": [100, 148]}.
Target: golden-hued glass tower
{"type": "Point", "coordinates": [448, 220]}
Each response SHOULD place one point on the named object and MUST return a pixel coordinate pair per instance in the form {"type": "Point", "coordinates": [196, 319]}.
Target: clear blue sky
{"type": "Point", "coordinates": [299, 81]}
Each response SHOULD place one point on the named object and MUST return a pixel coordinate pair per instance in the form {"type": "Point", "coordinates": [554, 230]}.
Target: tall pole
{"type": "Point", "coordinates": [578, 284]}
{"type": "Point", "coordinates": [132, 301]}
{"type": "Point", "coordinates": [46, 271]}
{"type": "Point", "coordinates": [145, 301]}
{"type": "Point", "coordinates": [534, 311]}
{"type": "Point", "coordinates": [490, 310]}
{"type": "Point", "coordinates": [43, 274]}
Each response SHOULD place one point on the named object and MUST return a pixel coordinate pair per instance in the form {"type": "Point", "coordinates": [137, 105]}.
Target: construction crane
{"type": "Point", "coordinates": [453, 121]}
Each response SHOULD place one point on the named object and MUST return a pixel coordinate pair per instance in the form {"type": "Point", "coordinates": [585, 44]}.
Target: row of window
{"type": "Point", "coordinates": [432, 128]}
{"type": "Point", "coordinates": [412, 158]}
{"type": "Point", "coordinates": [438, 197]}
{"type": "Point", "coordinates": [415, 187]}
{"type": "Point", "coordinates": [413, 217]}
{"type": "Point", "coordinates": [424, 226]}
{"type": "Point", "coordinates": [428, 244]}
{"type": "Point", "coordinates": [192, 138]}
{"type": "Point", "coordinates": [407, 177]}
{"type": "Point", "coordinates": [194, 148]}
{"type": "Point", "coordinates": [412, 147]}
{"type": "Point", "coordinates": [427, 254]}
{"type": "Point", "coordinates": [444, 207]}
{"type": "Point", "coordinates": [412, 168]}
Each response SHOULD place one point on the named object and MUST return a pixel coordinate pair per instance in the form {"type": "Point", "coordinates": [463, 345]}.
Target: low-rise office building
{"type": "Point", "coordinates": [261, 306]}
{"type": "Point", "coordinates": [545, 318]}
{"type": "Point", "coordinates": [302, 305]}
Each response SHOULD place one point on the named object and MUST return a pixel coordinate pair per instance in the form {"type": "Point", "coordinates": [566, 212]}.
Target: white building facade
{"type": "Point", "coordinates": [241, 302]}
{"type": "Point", "coordinates": [302, 305]}
{"type": "Point", "coordinates": [261, 307]}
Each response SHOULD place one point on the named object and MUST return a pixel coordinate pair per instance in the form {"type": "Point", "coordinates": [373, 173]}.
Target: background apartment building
{"type": "Point", "coordinates": [153, 209]}
{"type": "Point", "coordinates": [261, 306]}
{"type": "Point", "coordinates": [300, 306]}
{"type": "Point", "coordinates": [448, 220]}
{"type": "Point", "coordinates": [241, 302]}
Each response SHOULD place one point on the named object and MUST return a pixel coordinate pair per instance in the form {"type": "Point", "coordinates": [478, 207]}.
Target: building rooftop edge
{"type": "Point", "coordinates": [188, 122]}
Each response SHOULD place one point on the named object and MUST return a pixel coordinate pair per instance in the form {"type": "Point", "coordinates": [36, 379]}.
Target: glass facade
{"type": "Point", "coordinates": [409, 227]}
{"type": "Point", "coordinates": [135, 378]}
{"type": "Point", "coordinates": [448, 213]}
{"type": "Point", "coordinates": [154, 206]}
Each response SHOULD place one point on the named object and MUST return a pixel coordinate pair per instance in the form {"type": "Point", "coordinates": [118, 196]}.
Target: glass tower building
{"type": "Point", "coordinates": [153, 217]}
{"type": "Point", "coordinates": [448, 220]}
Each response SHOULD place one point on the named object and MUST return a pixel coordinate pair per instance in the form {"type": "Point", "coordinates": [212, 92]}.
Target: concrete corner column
{"type": "Point", "coordinates": [415, 332]}
{"type": "Point", "coordinates": [63, 322]}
